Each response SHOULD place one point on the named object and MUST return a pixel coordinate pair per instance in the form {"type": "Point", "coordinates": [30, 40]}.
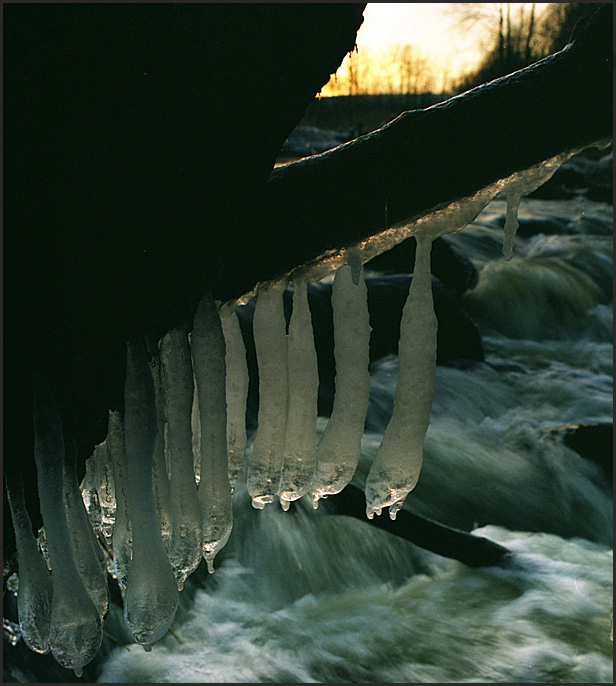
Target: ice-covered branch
{"type": "Point", "coordinates": [428, 158]}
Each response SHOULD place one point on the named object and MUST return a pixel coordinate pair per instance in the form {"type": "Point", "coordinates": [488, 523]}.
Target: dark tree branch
{"type": "Point", "coordinates": [425, 159]}
{"type": "Point", "coordinates": [474, 551]}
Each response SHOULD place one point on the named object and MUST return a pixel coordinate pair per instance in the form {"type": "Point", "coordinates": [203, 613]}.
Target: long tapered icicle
{"type": "Point", "coordinates": [236, 392]}
{"type": "Point", "coordinates": [395, 470]}
{"type": "Point", "coordinates": [160, 479]}
{"type": "Point", "coordinates": [269, 329]}
{"type": "Point", "coordinates": [83, 540]}
{"type": "Point", "coordinates": [300, 447]}
{"type": "Point", "coordinates": [208, 353]}
{"type": "Point", "coordinates": [151, 592]}
{"type": "Point", "coordinates": [76, 631]}
{"type": "Point", "coordinates": [186, 542]}
{"type": "Point", "coordinates": [339, 449]}
{"type": "Point", "coordinates": [122, 540]}
{"type": "Point", "coordinates": [35, 589]}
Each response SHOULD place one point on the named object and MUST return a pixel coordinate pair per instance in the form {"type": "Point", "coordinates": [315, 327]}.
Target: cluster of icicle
{"type": "Point", "coordinates": [158, 491]}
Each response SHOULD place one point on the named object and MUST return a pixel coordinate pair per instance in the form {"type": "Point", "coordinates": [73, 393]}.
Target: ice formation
{"type": "Point", "coordinates": [76, 631]}
{"type": "Point", "coordinates": [236, 392]}
{"type": "Point", "coordinates": [186, 542]}
{"type": "Point", "coordinates": [300, 446]}
{"type": "Point", "coordinates": [160, 478]}
{"type": "Point", "coordinates": [208, 354]}
{"type": "Point", "coordinates": [151, 592]}
{"type": "Point", "coordinates": [169, 463]}
{"type": "Point", "coordinates": [338, 450]}
{"type": "Point", "coordinates": [122, 541]}
{"type": "Point", "coordinates": [87, 552]}
{"type": "Point", "coordinates": [34, 599]}
{"type": "Point", "coordinates": [395, 470]}
{"type": "Point", "coordinates": [269, 329]}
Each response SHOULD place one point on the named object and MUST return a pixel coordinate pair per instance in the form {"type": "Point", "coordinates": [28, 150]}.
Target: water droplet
{"type": "Point", "coordinates": [210, 565]}
{"type": "Point", "coordinates": [395, 508]}
{"type": "Point", "coordinates": [78, 672]}
{"type": "Point", "coordinates": [285, 504]}
{"type": "Point", "coordinates": [147, 647]}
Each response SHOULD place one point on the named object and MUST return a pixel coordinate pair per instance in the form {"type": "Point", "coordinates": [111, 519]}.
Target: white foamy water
{"type": "Point", "coordinates": [309, 597]}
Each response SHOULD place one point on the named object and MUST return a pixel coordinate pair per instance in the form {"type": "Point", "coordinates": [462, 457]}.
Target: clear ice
{"type": "Point", "coordinates": [339, 449]}
{"type": "Point", "coordinates": [269, 329]}
{"type": "Point", "coordinates": [122, 540]}
{"type": "Point", "coordinates": [300, 445]}
{"type": "Point", "coordinates": [75, 631]}
{"type": "Point", "coordinates": [395, 470]}
{"type": "Point", "coordinates": [35, 590]}
{"type": "Point", "coordinates": [236, 392]}
{"type": "Point", "coordinates": [87, 551]}
{"type": "Point", "coordinates": [208, 354]}
{"type": "Point", "coordinates": [160, 478]}
{"type": "Point", "coordinates": [186, 542]}
{"type": "Point", "coordinates": [151, 597]}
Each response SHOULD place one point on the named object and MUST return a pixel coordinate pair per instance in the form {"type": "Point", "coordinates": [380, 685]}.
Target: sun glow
{"type": "Point", "coordinates": [434, 40]}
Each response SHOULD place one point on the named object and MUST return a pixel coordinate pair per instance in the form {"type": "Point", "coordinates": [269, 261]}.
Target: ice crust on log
{"type": "Point", "coordinates": [300, 446]}
{"type": "Point", "coordinates": [236, 392]}
{"type": "Point", "coordinates": [75, 631]}
{"type": "Point", "coordinates": [269, 328]}
{"type": "Point", "coordinates": [151, 592]}
{"type": "Point", "coordinates": [35, 589]}
{"type": "Point", "coordinates": [122, 541]}
{"type": "Point", "coordinates": [395, 470]}
{"type": "Point", "coordinates": [87, 552]}
{"type": "Point", "coordinates": [339, 449]}
{"type": "Point", "coordinates": [208, 354]}
{"type": "Point", "coordinates": [186, 542]}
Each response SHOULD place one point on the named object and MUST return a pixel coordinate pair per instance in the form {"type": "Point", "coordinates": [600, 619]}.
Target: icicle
{"type": "Point", "coordinates": [89, 488]}
{"type": "Point", "coordinates": [98, 492]}
{"type": "Point", "coordinates": [519, 184]}
{"type": "Point", "coordinates": [236, 392]}
{"type": "Point", "coordinates": [339, 448]}
{"type": "Point", "coordinates": [208, 354]}
{"type": "Point", "coordinates": [76, 631]}
{"type": "Point", "coordinates": [35, 590]}
{"type": "Point", "coordinates": [511, 223]}
{"type": "Point", "coordinates": [151, 593]}
{"type": "Point", "coordinates": [269, 329]}
{"type": "Point", "coordinates": [397, 464]}
{"type": "Point", "coordinates": [160, 478]}
{"type": "Point", "coordinates": [122, 541]}
{"type": "Point", "coordinates": [186, 526]}
{"type": "Point", "coordinates": [86, 548]}
{"type": "Point", "coordinates": [353, 257]}
{"type": "Point", "coordinates": [195, 424]}
{"type": "Point", "coordinates": [300, 448]}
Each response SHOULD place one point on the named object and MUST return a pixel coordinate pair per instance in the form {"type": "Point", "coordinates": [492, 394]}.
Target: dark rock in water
{"type": "Point", "coordinates": [457, 337]}
{"type": "Point", "coordinates": [589, 174]}
{"type": "Point", "coordinates": [455, 271]}
{"type": "Point", "coordinates": [474, 551]}
{"type": "Point", "coordinates": [593, 441]}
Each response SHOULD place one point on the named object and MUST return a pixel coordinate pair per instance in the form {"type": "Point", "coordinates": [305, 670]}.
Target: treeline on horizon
{"type": "Point", "coordinates": [515, 35]}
